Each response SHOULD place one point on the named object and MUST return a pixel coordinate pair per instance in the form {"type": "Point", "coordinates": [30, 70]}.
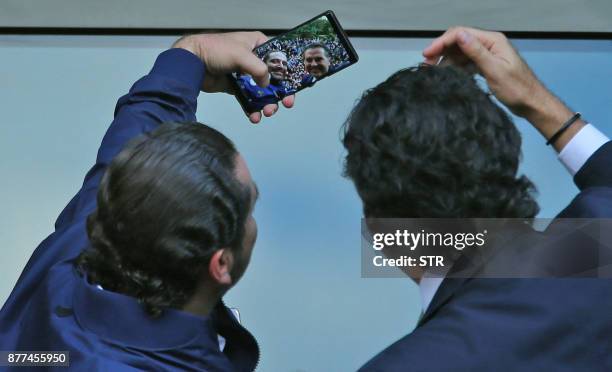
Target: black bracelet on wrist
{"type": "Point", "coordinates": [567, 124]}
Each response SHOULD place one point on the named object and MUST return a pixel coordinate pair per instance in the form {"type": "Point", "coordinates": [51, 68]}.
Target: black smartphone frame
{"type": "Point", "coordinates": [343, 39]}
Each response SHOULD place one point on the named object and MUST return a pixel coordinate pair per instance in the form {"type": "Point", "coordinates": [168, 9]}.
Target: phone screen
{"type": "Point", "coordinates": [297, 59]}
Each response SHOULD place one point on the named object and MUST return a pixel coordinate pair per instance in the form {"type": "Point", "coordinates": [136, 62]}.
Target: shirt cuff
{"type": "Point", "coordinates": [580, 148]}
{"type": "Point", "coordinates": [182, 65]}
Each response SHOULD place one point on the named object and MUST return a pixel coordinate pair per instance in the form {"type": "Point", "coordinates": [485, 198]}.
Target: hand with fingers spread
{"type": "Point", "coordinates": [510, 79]}
{"type": "Point", "coordinates": [230, 52]}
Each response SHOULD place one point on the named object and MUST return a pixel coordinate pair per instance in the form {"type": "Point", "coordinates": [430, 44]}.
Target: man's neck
{"type": "Point", "coordinates": [414, 273]}
{"type": "Point", "coordinates": [202, 302]}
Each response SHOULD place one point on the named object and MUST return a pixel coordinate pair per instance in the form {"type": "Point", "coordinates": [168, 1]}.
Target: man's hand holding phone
{"type": "Point", "coordinates": [225, 53]}
{"type": "Point", "coordinates": [296, 59]}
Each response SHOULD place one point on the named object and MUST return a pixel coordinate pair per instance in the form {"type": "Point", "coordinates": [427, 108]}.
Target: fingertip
{"type": "Point", "coordinates": [289, 101]}
{"type": "Point", "coordinates": [464, 37]}
{"type": "Point", "coordinates": [434, 50]}
{"type": "Point", "coordinates": [255, 117]}
{"type": "Point", "coordinates": [269, 110]}
{"type": "Point", "coordinates": [431, 54]}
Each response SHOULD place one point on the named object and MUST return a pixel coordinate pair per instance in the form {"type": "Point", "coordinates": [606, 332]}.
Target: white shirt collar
{"type": "Point", "coordinates": [428, 286]}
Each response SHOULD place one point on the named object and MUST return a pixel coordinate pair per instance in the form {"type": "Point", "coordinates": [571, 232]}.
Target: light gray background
{"type": "Point", "coordinates": [302, 296]}
{"type": "Point", "coordinates": [516, 15]}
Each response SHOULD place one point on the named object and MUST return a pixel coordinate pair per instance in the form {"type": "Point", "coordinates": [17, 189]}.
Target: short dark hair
{"type": "Point", "coordinates": [267, 55]}
{"type": "Point", "coordinates": [315, 46]}
{"type": "Point", "coordinates": [429, 143]}
{"type": "Point", "coordinates": [166, 203]}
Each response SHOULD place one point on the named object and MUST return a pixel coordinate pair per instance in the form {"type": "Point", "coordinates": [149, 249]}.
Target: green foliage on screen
{"type": "Point", "coordinates": [318, 29]}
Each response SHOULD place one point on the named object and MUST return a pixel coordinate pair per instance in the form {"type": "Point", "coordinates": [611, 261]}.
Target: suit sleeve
{"type": "Point", "coordinates": [597, 171]}
{"type": "Point", "coordinates": [167, 94]}
{"type": "Point", "coordinates": [594, 179]}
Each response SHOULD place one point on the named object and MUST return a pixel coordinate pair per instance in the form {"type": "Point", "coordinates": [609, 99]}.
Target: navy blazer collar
{"type": "Point", "coordinates": [122, 319]}
{"type": "Point", "coordinates": [469, 266]}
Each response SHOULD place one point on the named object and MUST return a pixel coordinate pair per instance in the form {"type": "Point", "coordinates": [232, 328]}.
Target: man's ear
{"type": "Point", "coordinates": [220, 266]}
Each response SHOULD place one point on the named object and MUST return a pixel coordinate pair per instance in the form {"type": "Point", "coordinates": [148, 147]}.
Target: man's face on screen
{"type": "Point", "coordinates": [316, 62]}
{"type": "Point", "coordinates": [277, 65]}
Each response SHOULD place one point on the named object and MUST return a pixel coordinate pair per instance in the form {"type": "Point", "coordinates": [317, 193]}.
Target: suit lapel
{"type": "Point", "coordinates": [469, 264]}
{"type": "Point", "coordinates": [448, 287]}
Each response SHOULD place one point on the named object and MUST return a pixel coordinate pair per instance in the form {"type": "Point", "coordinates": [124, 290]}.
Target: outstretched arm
{"type": "Point", "coordinates": [167, 94]}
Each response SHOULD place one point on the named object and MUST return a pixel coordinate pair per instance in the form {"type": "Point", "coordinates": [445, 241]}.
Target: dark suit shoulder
{"type": "Point", "coordinates": [510, 325]}
{"type": "Point", "coordinates": [592, 202]}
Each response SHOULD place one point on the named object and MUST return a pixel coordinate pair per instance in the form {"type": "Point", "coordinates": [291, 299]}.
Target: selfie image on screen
{"type": "Point", "coordinates": [295, 60]}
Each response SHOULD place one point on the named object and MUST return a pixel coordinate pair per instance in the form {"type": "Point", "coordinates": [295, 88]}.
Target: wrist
{"type": "Point", "coordinates": [547, 114]}
{"type": "Point", "coordinates": [180, 65]}
{"type": "Point", "coordinates": [189, 44]}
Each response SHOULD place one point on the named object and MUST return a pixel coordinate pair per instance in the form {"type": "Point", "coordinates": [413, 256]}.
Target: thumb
{"type": "Point", "coordinates": [250, 64]}
{"type": "Point", "coordinates": [475, 51]}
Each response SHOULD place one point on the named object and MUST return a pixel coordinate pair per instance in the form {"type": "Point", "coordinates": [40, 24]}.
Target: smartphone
{"type": "Point", "coordinates": [297, 59]}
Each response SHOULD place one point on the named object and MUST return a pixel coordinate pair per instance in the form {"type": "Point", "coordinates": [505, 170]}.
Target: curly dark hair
{"type": "Point", "coordinates": [166, 203]}
{"type": "Point", "coordinates": [429, 143]}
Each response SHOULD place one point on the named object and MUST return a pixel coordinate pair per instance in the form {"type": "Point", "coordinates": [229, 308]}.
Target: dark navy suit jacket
{"type": "Point", "coordinates": [53, 307]}
{"type": "Point", "coordinates": [553, 324]}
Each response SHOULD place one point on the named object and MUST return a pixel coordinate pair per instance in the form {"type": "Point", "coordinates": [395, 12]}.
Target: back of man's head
{"type": "Point", "coordinates": [166, 203]}
{"type": "Point", "coordinates": [428, 142]}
